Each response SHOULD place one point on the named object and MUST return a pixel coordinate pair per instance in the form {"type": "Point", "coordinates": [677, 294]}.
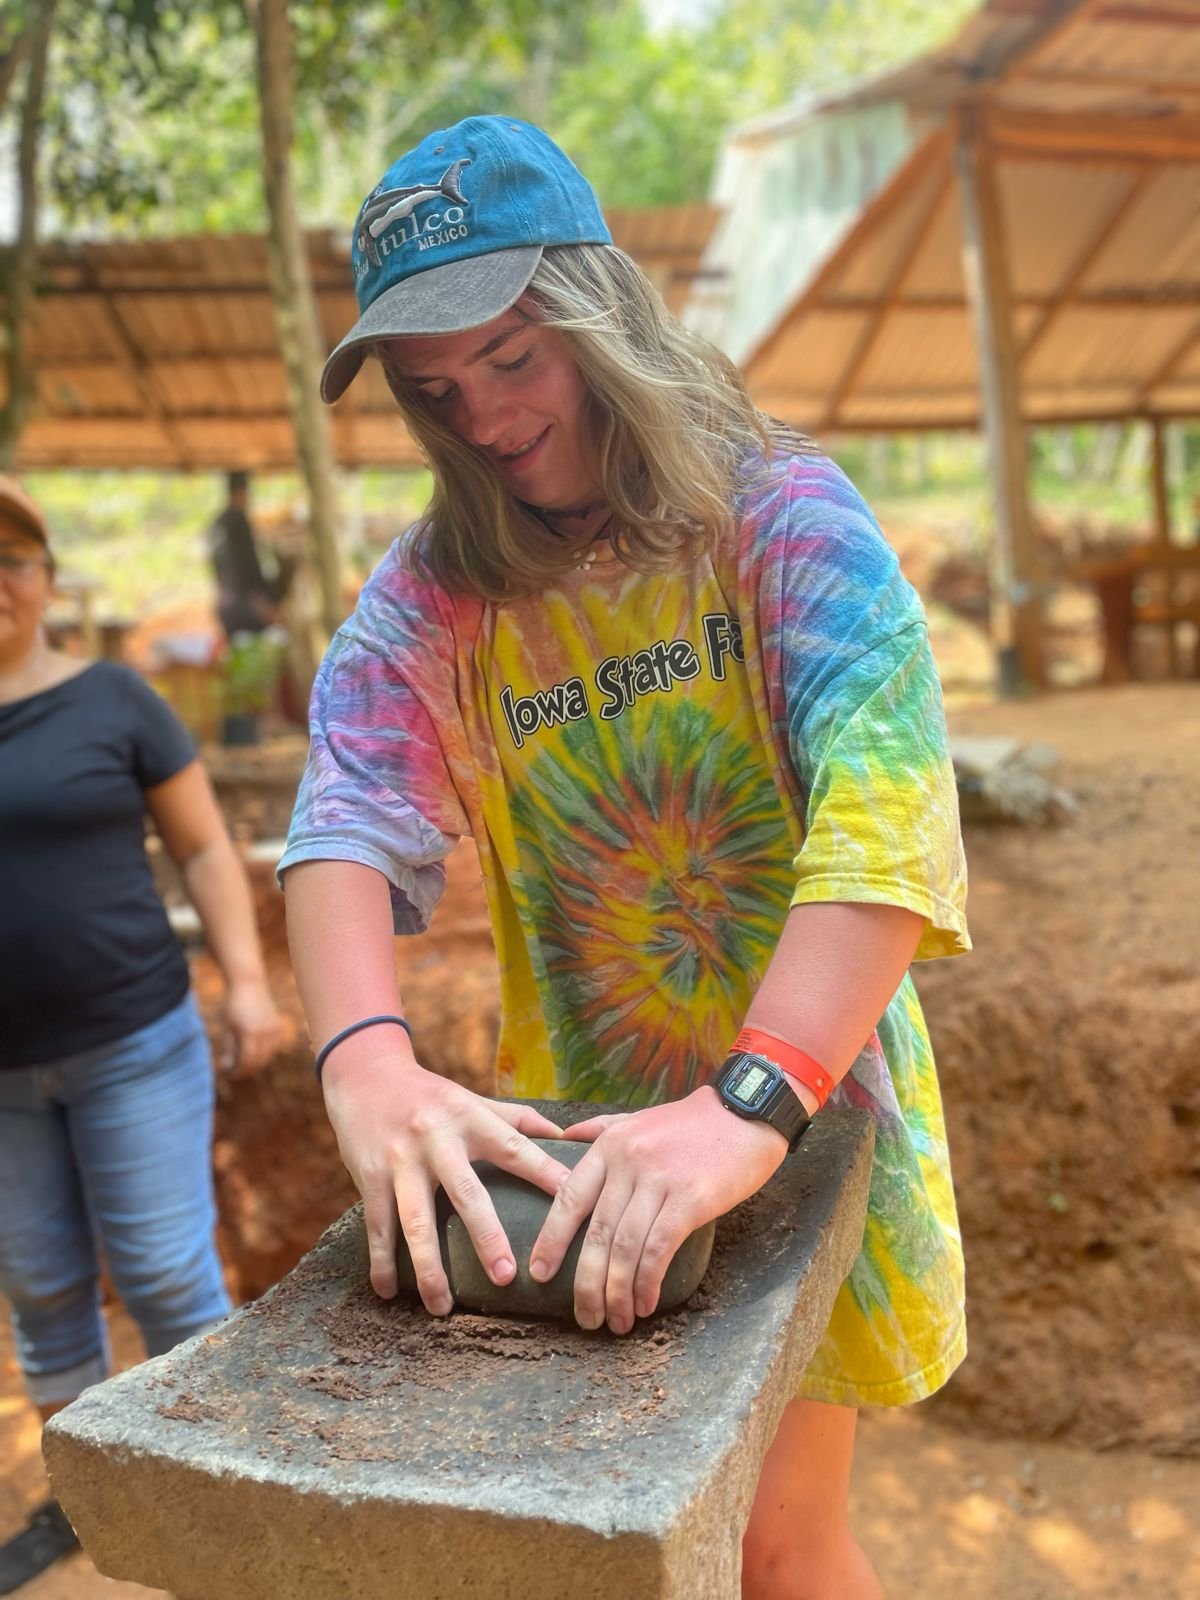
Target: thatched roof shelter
{"type": "Point", "coordinates": [164, 354]}
{"type": "Point", "coordinates": [1089, 116]}
{"type": "Point", "coordinates": [1005, 232]}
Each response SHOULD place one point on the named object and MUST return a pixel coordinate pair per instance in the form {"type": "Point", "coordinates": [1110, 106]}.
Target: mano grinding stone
{"type": "Point", "coordinates": [522, 1209]}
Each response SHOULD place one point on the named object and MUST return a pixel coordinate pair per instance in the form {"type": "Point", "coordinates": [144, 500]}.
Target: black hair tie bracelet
{"type": "Point", "coordinates": [355, 1027]}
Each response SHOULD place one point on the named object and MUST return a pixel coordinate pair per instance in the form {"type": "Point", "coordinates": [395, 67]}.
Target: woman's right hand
{"type": "Point", "coordinates": [402, 1131]}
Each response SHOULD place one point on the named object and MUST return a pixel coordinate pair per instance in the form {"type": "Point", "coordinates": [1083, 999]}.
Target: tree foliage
{"type": "Point", "coordinates": [151, 121]}
{"type": "Point", "coordinates": [645, 113]}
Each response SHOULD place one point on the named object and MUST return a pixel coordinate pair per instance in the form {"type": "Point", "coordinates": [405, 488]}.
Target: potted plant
{"type": "Point", "coordinates": [250, 674]}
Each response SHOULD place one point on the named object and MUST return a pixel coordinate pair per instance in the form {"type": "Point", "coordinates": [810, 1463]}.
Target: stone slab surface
{"type": "Point", "coordinates": [327, 1445]}
{"type": "Point", "coordinates": [522, 1209]}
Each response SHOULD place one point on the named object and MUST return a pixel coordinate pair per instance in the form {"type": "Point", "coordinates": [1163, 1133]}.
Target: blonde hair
{"type": "Point", "coordinates": [670, 425]}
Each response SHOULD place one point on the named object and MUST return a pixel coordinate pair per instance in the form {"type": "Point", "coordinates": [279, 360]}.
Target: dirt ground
{"type": "Point", "coordinates": [1068, 1046]}
{"type": "Point", "coordinates": [1063, 1459]}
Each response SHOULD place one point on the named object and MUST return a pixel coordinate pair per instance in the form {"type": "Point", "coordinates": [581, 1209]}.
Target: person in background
{"type": "Point", "coordinates": [651, 649]}
{"type": "Point", "coordinates": [106, 1080]}
{"type": "Point", "coordinates": [247, 599]}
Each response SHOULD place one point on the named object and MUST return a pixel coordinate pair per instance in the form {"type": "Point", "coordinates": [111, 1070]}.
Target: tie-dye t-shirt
{"type": "Point", "coordinates": [654, 769]}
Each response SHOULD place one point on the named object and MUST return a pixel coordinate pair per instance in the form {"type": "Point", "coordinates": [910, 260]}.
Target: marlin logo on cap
{"type": "Point", "coordinates": [394, 205]}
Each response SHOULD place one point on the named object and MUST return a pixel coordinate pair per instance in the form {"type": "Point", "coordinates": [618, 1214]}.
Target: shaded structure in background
{"type": "Point", "coordinates": [1004, 233]}
{"type": "Point", "coordinates": [163, 353]}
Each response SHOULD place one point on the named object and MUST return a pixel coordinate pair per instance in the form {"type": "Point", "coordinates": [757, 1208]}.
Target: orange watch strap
{"type": "Point", "coordinates": [794, 1062]}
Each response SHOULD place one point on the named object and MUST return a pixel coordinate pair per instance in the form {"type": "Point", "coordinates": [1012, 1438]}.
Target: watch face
{"type": "Point", "coordinates": [748, 1084]}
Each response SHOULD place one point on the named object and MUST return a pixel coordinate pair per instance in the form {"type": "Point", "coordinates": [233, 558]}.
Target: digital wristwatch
{"type": "Point", "coordinates": [757, 1089]}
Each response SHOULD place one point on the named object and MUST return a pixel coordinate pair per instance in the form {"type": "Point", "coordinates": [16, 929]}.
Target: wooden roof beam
{"type": "Point", "coordinates": [1078, 158]}
{"type": "Point", "coordinates": [1168, 298]}
{"type": "Point", "coordinates": [1084, 262]}
{"type": "Point", "coordinates": [1062, 20]}
{"type": "Point", "coordinates": [898, 276]}
{"type": "Point", "coordinates": [93, 283]}
{"type": "Point", "coordinates": [1158, 138]}
{"type": "Point", "coordinates": [1174, 88]}
{"type": "Point", "coordinates": [1147, 16]}
{"type": "Point", "coordinates": [230, 419]}
{"type": "Point", "coordinates": [1166, 368]}
{"type": "Point", "coordinates": [200, 353]}
{"type": "Point", "coordinates": [134, 364]}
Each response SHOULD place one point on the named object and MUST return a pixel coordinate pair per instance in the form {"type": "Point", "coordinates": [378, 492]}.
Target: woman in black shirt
{"type": "Point", "coordinates": [106, 1089]}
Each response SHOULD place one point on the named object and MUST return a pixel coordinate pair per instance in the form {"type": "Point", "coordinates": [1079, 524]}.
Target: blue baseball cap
{"type": "Point", "coordinates": [453, 232]}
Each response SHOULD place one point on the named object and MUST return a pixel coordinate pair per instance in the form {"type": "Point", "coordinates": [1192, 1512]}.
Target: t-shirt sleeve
{"type": "Point", "coordinates": [161, 745]}
{"type": "Point", "coordinates": [882, 814]}
{"type": "Point", "coordinates": [384, 729]}
{"type": "Point", "coordinates": [856, 697]}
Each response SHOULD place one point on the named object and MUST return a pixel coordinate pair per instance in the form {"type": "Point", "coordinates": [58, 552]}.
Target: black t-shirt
{"type": "Point", "coordinates": [87, 955]}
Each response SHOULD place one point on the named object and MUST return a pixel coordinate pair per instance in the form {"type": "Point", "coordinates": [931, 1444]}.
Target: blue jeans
{"type": "Point", "coordinates": [108, 1149]}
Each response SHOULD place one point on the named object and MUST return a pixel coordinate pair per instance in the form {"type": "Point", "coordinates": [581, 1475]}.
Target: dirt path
{"type": "Point", "coordinates": [944, 1515]}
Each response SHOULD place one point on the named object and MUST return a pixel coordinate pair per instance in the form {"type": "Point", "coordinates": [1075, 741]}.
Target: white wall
{"type": "Point", "coordinates": [788, 197]}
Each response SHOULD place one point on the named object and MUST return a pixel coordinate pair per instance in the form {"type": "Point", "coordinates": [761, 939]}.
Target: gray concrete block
{"type": "Point", "coordinates": [522, 1209]}
{"type": "Point", "coordinates": [324, 1445]}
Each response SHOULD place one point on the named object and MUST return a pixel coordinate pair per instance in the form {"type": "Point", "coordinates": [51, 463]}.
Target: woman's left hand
{"type": "Point", "coordinates": [253, 1021]}
{"type": "Point", "coordinates": [651, 1178]}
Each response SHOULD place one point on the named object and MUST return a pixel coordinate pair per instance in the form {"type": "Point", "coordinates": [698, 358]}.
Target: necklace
{"type": "Point", "coordinates": [587, 558]}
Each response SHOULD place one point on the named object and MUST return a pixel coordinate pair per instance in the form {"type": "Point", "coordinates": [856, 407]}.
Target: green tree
{"type": "Point", "coordinates": [151, 126]}
{"type": "Point", "coordinates": [644, 113]}
{"type": "Point", "coordinates": [29, 47]}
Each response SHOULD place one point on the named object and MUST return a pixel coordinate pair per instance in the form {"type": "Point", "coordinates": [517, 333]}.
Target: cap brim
{"type": "Point", "coordinates": [23, 511]}
{"type": "Point", "coordinates": [448, 299]}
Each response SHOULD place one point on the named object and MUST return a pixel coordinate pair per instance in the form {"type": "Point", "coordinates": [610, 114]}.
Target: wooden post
{"type": "Point", "coordinates": [1162, 534]}
{"type": "Point", "coordinates": [294, 302]}
{"type": "Point", "coordinates": [1158, 477]}
{"type": "Point", "coordinates": [1016, 608]}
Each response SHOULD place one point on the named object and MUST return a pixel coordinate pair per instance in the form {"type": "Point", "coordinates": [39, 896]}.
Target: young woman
{"type": "Point", "coordinates": [106, 1085]}
{"type": "Point", "coordinates": [653, 653]}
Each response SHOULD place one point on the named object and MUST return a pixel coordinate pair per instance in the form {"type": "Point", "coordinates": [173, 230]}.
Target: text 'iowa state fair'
{"type": "Point", "coordinates": [623, 680]}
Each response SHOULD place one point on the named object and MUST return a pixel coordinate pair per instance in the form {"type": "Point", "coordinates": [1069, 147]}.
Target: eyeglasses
{"type": "Point", "coordinates": [22, 569]}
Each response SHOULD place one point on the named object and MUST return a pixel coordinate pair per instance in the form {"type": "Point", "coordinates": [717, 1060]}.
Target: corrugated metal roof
{"type": "Point", "coordinates": [1128, 57]}
{"type": "Point", "coordinates": [1090, 112]}
{"type": "Point", "coordinates": [164, 353]}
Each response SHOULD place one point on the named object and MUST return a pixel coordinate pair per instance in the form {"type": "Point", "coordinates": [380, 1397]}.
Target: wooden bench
{"type": "Point", "coordinates": [1151, 585]}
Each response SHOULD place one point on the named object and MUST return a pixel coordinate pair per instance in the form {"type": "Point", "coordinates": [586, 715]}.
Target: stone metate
{"type": "Point", "coordinates": [326, 1444]}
